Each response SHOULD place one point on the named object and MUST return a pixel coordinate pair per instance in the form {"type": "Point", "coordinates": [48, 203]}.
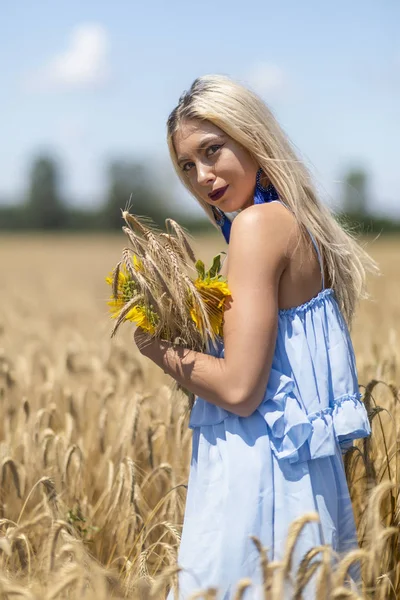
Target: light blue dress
{"type": "Point", "coordinates": [252, 476]}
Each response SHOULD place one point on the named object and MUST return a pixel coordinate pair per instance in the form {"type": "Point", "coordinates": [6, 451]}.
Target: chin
{"type": "Point", "coordinates": [231, 206]}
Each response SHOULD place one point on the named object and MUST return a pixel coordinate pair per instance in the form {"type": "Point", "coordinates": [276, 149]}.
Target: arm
{"type": "Point", "coordinates": [257, 259]}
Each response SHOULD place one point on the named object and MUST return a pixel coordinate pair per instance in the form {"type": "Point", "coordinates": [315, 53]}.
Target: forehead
{"type": "Point", "coordinates": [191, 133]}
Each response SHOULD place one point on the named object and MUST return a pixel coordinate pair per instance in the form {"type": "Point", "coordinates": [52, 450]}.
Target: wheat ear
{"type": "Point", "coordinates": [124, 311]}
{"type": "Point", "coordinates": [182, 236]}
{"type": "Point", "coordinates": [149, 235]}
{"type": "Point", "coordinates": [138, 278]}
{"type": "Point", "coordinates": [115, 280]}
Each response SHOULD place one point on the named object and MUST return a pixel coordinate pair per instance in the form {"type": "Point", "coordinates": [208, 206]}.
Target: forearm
{"type": "Point", "coordinates": [203, 375]}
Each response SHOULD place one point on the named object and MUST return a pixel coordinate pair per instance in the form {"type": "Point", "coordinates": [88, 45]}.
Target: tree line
{"type": "Point", "coordinates": [129, 183]}
{"type": "Point", "coordinates": [44, 207]}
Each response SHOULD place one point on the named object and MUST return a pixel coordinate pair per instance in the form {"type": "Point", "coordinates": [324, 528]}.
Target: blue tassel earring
{"type": "Point", "coordinates": [264, 194]}
{"type": "Point", "coordinates": [261, 195]}
{"type": "Point", "coordinates": [223, 222]}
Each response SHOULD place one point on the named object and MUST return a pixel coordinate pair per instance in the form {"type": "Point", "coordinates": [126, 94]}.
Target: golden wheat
{"type": "Point", "coordinates": [95, 444]}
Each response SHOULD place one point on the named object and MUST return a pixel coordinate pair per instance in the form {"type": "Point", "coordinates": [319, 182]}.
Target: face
{"type": "Point", "coordinates": [218, 169]}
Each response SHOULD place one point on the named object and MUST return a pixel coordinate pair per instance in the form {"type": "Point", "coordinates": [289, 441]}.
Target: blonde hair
{"type": "Point", "coordinates": [242, 115]}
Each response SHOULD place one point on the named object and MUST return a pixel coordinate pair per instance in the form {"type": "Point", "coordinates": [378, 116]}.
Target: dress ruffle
{"type": "Point", "coordinates": [295, 435]}
{"type": "Point", "coordinates": [298, 436]}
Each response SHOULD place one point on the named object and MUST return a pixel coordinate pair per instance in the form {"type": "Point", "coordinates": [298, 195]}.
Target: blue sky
{"type": "Point", "coordinates": [95, 80]}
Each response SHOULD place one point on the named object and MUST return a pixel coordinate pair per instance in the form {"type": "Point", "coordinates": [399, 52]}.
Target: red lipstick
{"type": "Point", "coordinates": [218, 193]}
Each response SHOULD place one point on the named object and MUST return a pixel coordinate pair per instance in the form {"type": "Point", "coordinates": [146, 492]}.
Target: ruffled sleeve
{"type": "Point", "coordinates": [289, 427]}
{"type": "Point", "coordinates": [298, 436]}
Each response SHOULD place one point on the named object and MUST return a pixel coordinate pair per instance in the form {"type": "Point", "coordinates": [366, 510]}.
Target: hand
{"type": "Point", "coordinates": [143, 340]}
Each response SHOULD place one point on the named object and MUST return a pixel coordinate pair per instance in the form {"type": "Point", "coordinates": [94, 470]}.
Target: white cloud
{"type": "Point", "coordinates": [84, 63]}
{"type": "Point", "coordinates": [268, 80]}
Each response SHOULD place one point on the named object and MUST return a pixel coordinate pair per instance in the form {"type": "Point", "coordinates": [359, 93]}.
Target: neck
{"type": "Point", "coordinates": [232, 215]}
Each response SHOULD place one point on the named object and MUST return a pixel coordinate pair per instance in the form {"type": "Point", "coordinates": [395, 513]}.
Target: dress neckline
{"type": "Point", "coordinates": [325, 293]}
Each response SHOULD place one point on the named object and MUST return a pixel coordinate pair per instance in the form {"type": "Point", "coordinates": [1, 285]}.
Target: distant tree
{"type": "Point", "coordinates": [13, 218]}
{"type": "Point", "coordinates": [130, 183]}
{"type": "Point", "coordinates": [355, 192]}
{"type": "Point", "coordinates": [45, 209]}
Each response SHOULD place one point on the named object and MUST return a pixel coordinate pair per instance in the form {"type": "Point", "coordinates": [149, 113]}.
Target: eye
{"type": "Point", "coordinates": [213, 149]}
{"type": "Point", "coordinates": [187, 166]}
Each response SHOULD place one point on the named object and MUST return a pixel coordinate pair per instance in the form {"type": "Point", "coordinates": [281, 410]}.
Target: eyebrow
{"type": "Point", "coordinates": [211, 138]}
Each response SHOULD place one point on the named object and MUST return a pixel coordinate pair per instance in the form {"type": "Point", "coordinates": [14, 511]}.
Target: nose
{"type": "Point", "coordinates": [205, 174]}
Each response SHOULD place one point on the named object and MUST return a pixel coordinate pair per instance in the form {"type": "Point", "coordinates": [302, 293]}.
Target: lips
{"type": "Point", "coordinates": [218, 193]}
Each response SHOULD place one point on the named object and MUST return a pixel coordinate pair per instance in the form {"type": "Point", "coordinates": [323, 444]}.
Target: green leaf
{"type": "Point", "coordinates": [215, 267]}
{"type": "Point", "coordinates": [200, 269]}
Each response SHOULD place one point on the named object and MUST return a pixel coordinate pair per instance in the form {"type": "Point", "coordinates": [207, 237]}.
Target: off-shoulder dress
{"type": "Point", "coordinates": [252, 476]}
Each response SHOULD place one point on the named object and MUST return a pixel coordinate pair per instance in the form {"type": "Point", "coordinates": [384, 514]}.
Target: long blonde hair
{"type": "Point", "coordinates": [242, 115]}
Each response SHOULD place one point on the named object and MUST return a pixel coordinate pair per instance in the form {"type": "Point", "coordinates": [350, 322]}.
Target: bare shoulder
{"type": "Point", "coordinates": [269, 225]}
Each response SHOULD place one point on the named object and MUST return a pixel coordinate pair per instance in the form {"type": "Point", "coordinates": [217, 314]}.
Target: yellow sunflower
{"type": "Point", "coordinates": [214, 293]}
{"type": "Point", "coordinates": [126, 288]}
{"type": "Point", "coordinates": [125, 291]}
{"type": "Point", "coordinates": [145, 318]}
{"type": "Point", "coordinates": [138, 264]}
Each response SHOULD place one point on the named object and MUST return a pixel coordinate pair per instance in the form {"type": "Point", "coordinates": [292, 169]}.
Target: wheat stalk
{"type": "Point", "coordinates": [182, 237]}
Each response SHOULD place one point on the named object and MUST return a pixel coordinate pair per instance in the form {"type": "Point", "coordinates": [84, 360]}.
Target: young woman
{"type": "Point", "coordinates": [280, 400]}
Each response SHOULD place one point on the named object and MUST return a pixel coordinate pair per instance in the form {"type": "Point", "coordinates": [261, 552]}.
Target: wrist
{"type": "Point", "coordinates": [144, 342]}
{"type": "Point", "coordinates": [149, 346]}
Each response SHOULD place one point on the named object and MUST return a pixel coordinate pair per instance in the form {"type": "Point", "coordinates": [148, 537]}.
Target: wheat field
{"type": "Point", "coordinates": [95, 448]}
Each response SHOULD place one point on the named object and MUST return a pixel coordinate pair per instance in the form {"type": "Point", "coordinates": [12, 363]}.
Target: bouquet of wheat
{"type": "Point", "coordinates": [153, 287]}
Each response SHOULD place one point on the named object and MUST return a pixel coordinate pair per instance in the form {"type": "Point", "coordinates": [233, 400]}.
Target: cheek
{"type": "Point", "coordinates": [192, 179]}
{"type": "Point", "coordinates": [246, 180]}
{"type": "Point", "coordinates": [242, 164]}
{"type": "Point", "coordinates": [247, 187]}
{"type": "Point", "coordinates": [246, 175]}
{"type": "Point", "coordinates": [230, 165]}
